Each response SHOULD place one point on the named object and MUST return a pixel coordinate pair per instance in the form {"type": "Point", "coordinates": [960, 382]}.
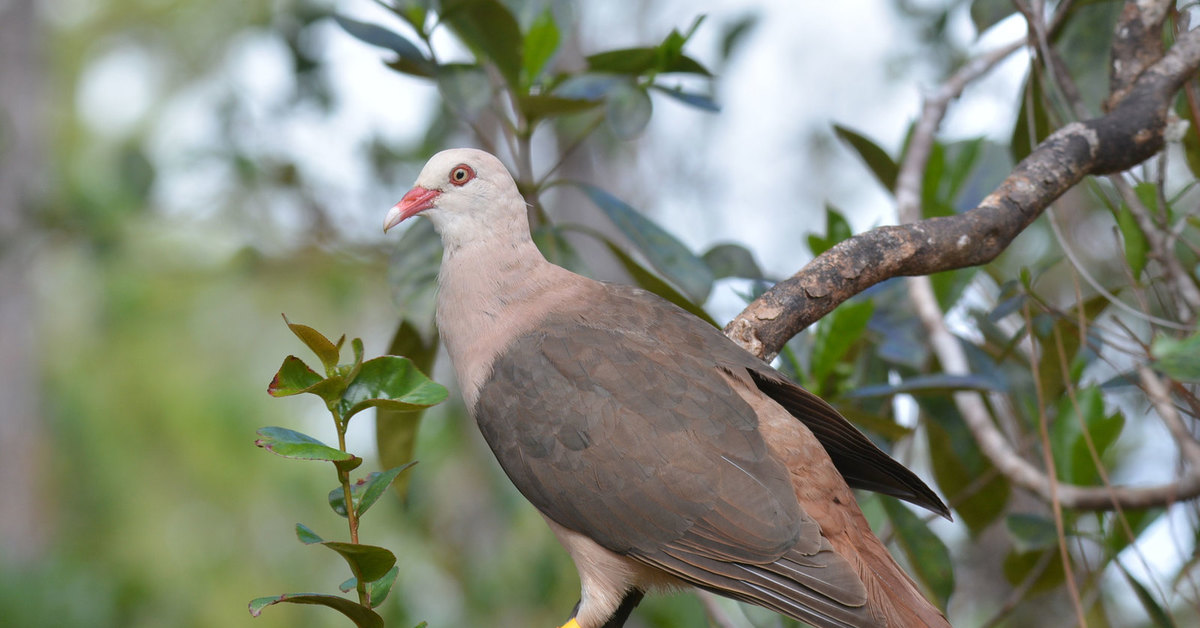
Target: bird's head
{"type": "Point", "coordinates": [466, 193]}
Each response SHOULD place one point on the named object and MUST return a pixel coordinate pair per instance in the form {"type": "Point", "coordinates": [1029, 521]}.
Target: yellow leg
{"type": "Point", "coordinates": [571, 624]}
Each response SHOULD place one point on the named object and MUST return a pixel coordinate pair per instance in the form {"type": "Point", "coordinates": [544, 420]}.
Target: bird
{"type": "Point", "coordinates": [661, 454]}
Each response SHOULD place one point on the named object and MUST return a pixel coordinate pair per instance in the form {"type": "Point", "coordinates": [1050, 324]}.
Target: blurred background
{"type": "Point", "coordinates": [174, 174]}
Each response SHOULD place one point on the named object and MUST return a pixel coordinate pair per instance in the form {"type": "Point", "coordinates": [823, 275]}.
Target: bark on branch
{"type": "Point", "coordinates": [1131, 132]}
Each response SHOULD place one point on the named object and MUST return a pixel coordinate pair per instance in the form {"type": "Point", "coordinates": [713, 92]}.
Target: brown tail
{"type": "Point", "coordinates": [892, 596]}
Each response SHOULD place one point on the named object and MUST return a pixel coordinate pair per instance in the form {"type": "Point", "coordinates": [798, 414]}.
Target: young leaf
{"type": "Point", "coordinates": [326, 351]}
{"type": "Point", "coordinates": [927, 555]}
{"type": "Point", "coordinates": [291, 444]}
{"type": "Point", "coordinates": [362, 616]}
{"type": "Point", "coordinates": [390, 381]}
{"type": "Point", "coordinates": [366, 491]}
{"type": "Point", "coordinates": [665, 253]}
{"type": "Point", "coordinates": [628, 110]}
{"type": "Point", "coordinates": [881, 164]}
{"type": "Point", "coordinates": [292, 378]}
{"type": "Point", "coordinates": [490, 30]}
{"type": "Point", "coordinates": [540, 44]}
{"type": "Point", "coordinates": [367, 562]}
{"type": "Point", "coordinates": [306, 535]}
{"type": "Point", "coordinates": [396, 430]}
{"type": "Point", "coordinates": [378, 590]}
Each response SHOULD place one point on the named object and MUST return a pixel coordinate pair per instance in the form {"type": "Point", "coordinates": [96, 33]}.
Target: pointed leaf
{"type": "Point", "coordinates": [1158, 615]}
{"type": "Point", "coordinates": [651, 282]}
{"type": "Point", "coordinates": [368, 562]}
{"type": "Point", "coordinates": [699, 101]}
{"type": "Point", "coordinates": [958, 463]}
{"type": "Point", "coordinates": [539, 106]}
{"type": "Point", "coordinates": [393, 382]}
{"type": "Point", "coordinates": [880, 163]}
{"type": "Point", "coordinates": [665, 253]}
{"type": "Point", "coordinates": [292, 378]}
{"type": "Point", "coordinates": [1136, 245]}
{"type": "Point", "coordinates": [1030, 131]}
{"type": "Point", "coordinates": [490, 30]}
{"type": "Point", "coordinates": [396, 430]}
{"type": "Point", "coordinates": [837, 228]}
{"type": "Point", "coordinates": [291, 444]}
{"type": "Point", "coordinates": [939, 383]}
{"type": "Point", "coordinates": [927, 554]}
{"type": "Point", "coordinates": [378, 590]}
{"type": "Point", "coordinates": [379, 36]}
{"type": "Point", "coordinates": [366, 491]}
{"type": "Point", "coordinates": [465, 88]}
{"type": "Point", "coordinates": [306, 535]}
{"type": "Point", "coordinates": [326, 351]}
{"type": "Point", "coordinates": [362, 616]}
{"type": "Point", "coordinates": [540, 44]}
{"type": "Point", "coordinates": [628, 110]}
{"type": "Point", "coordinates": [731, 260]}
{"type": "Point", "coordinates": [836, 333]}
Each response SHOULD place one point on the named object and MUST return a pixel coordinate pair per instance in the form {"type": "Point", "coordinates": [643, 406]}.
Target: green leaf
{"type": "Point", "coordinates": [539, 106]}
{"type": "Point", "coordinates": [490, 30]}
{"type": "Point", "coordinates": [465, 89]}
{"type": "Point", "coordinates": [649, 281]}
{"type": "Point", "coordinates": [393, 382]}
{"type": "Point", "coordinates": [731, 260]}
{"type": "Point", "coordinates": [377, 590]}
{"type": "Point", "coordinates": [640, 61]}
{"type": "Point", "coordinates": [836, 230]}
{"type": "Point", "coordinates": [836, 334]}
{"type": "Point", "coordinates": [699, 101]}
{"type": "Point", "coordinates": [927, 555]}
{"type": "Point", "coordinates": [291, 444]}
{"type": "Point", "coordinates": [1158, 615]}
{"type": "Point", "coordinates": [366, 491]}
{"type": "Point", "coordinates": [326, 350]}
{"type": "Point", "coordinates": [367, 562]}
{"type": "Point", "coordinates": [540, 44]}
{"type": "Point", "coordinates": [384, 38]}
{"type": "Point", "coordinates": [1031, 532]}
{"type": "Point", "coordinates": [628, 110]}
{"type": "Point", "coordinates": [292, 378]}
{"type": "Point", "coordinates": [396, 430]}
{"type": "Point", "coordinates": [1032, 101]}
{"type": "Point", "coordinates": [665, 253]}
{"type": "Point", "coordinates": [590, 87]}
{"type": "Point", "coordinates": [1072, 458]}
{"type": "Point", "coordinates": [306, 535]}
{"type": "Point", "coordinates": [958, 465]}
{"type": "Point", "coordinates": [937, 383]}
{"type": "Point", "coordinates": [878, 161]}
{"type": "Point", "coordinates": [735, 33]}
{"type": "Point", "coordinates": [362, 616]}
{"type": "Point", "coordinates": [986, 13]}
{"type": "Point", "coordinates": [554, 246]}
{"type": "Point", "coordinates": [1136, 245]}
{"type": "Point", "coordinates": [1019, 566]}
{"type": "Point", "coordinates": [412, 274]}
{"type": "Point", "coordinates": [1178, 359]}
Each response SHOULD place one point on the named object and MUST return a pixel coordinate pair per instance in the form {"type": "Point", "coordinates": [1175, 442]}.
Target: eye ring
{"type": "Point", "coordinates": [460, 174]}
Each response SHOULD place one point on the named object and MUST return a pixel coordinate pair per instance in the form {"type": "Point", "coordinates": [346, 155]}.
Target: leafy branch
{"type": "Point", "coordinates": [387, 382]}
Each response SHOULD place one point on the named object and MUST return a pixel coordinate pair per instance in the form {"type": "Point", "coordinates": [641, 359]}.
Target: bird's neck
{"type": "Point", "coordinates": [489, 294]}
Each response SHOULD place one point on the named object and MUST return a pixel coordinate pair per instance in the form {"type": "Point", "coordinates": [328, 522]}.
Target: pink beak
{"type": "Point", "coordinates": [415, 201]}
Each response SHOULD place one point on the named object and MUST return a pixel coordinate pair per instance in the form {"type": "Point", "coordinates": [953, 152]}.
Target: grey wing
{"type": "Point", "coordinates": [644, 447]}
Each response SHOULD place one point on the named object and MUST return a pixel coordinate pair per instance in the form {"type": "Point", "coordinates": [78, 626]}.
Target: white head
{"type": "Point", "coordinates": [469, 195]}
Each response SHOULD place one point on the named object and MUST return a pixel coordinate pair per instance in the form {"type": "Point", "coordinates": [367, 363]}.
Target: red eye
{"type": "Point", "coordinates": [461, 174]}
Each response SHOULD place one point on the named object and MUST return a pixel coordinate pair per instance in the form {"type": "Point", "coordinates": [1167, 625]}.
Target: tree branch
{"type": "Point", "coordinates": [1129, 134]}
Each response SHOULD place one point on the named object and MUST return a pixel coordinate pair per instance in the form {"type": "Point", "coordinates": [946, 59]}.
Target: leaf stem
{"type": "Point", "coordinates": [364, 597]}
